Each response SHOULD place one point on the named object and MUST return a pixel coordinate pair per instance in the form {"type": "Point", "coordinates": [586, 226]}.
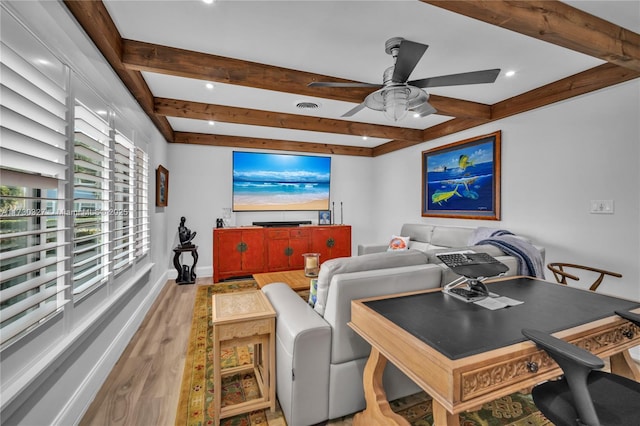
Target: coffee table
{"type": "Point", "coordinates": [294, 279]}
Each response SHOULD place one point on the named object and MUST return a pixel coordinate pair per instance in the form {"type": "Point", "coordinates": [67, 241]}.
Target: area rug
{"type": "Point", "coordinates": [195, 407]}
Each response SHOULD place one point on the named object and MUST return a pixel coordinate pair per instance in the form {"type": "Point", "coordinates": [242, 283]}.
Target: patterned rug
{"type": "Point", "coordinates": [195, 407]}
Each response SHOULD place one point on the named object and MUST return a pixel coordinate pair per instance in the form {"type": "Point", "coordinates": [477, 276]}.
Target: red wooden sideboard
{"type": "Point", "coordinates": [250, 250]}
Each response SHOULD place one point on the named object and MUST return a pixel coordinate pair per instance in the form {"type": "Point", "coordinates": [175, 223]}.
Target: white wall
{"type": "Point", "coordinates": [554, 161]}
{"type": "Point", "coordinates": [200, 187]}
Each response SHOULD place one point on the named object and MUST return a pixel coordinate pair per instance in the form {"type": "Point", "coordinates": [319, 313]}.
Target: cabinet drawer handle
{"type": "Point", "coordinates": [532, 366]}
{"type": "Point", "coordinates": [331, 242]}
{"type": "Point", "coordinates": [288, 251]}
{"type": "Point", "coordinates": [242, 247]}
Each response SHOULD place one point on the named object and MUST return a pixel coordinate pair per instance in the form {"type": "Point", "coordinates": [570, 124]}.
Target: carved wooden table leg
{"type": "Point", "coordinates": [623, 365]}
{"type": "Point", "coordinates": [378, 411]}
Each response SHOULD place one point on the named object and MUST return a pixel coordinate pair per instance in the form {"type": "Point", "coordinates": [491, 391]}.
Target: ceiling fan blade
{"type": "Point", "coordinates": [474, 77]}
{"type": "Point", "coordinates": [354, 110]}
{"type": "Point", "coordinates": [424, 109]}
{"type": "Point", "coordinates": [336, 84]}
{"type": "Point", "coordinates": [409, 55]}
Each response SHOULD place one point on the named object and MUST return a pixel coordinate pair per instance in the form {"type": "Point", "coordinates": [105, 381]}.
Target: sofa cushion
{"type": "Point", "coordinates": [365, 262]}
{"type": "Point", "coordinates": [417, 232]}
{"type": "Point", "coordinates": [398, 243]}
{"type": "Point", "coordinates": [425, 247]}
{"type": "Point", "coordinates": [450, 236]}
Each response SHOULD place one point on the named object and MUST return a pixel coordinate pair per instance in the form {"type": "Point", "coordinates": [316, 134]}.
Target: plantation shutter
{"type": "Point", "coordinates": [123, 208]}
{"type": "Point", "coordinates": [32, 182]}
{"type": "Point", "coordinates": [142, 203]}
{"type": "Point", "coordinates": [91, 195]}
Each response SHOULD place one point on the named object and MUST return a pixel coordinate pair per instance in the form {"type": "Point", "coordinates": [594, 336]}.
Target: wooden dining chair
{"type": "Point", "coordinates": [561, 275]}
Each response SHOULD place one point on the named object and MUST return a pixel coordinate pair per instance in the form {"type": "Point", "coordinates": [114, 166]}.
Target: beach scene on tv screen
{"type": "Point", "coordinates": [280, 182]}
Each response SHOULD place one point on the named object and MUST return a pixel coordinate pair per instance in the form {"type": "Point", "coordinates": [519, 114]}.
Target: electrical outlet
{"type": "Point", "coordinates": [601, 207]}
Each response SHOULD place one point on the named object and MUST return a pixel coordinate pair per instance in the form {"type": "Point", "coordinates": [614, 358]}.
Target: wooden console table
{"type": "Point", "coordinates": [247, 250]}
{"type": "Point", "coordinates": [464, 355]}
{"type": "Point", "coordinates": [244, 318]}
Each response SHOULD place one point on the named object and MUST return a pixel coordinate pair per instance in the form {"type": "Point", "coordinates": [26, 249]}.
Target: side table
{"type": "Point", "coordinates": [244, 318]}
{"type": "Point", "coordinates": [186, 275]}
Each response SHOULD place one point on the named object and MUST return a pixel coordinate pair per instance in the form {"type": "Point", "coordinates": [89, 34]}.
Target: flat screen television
{"type": "Point", "coordinates": [276, 182]}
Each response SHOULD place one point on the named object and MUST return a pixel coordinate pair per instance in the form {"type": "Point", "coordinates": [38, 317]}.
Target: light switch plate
{"type": "Point", "coordinates": [601, 207]}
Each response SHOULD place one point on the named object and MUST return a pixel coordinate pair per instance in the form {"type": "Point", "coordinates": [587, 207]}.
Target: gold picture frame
{"type": "Point", "coordinates": [462, 179]}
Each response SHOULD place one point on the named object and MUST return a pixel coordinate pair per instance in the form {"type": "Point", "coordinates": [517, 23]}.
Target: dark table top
{"type": "Point", "coordinates": [458, 329]}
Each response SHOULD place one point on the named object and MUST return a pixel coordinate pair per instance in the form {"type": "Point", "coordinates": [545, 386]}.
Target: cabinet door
{"type": "Point", "coordinates": [227, 259]}
{"type": "Point", "coordinates": [331, 242]}
{"type": "Point", "coordinates": [298, 244]}
{"type": "Point", "coordinates": [278, 250]}
{"type": "Point", "coordinates": [252, 250]}
{"type": "Point", "coordinates": [342, 242]}
{"type": "Point", "coordinates": [321, 242]}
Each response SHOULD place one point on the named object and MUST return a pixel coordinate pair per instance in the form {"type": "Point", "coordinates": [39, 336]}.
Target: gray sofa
{"type": "Point", "coordinates": [319, 359]}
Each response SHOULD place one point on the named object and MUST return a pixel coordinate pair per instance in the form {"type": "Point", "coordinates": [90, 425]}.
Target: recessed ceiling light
{"type": "Point", "coordinates": [211, 122]}
{"type": "Point", "coordinates": [208, 1]}
{"type": "Point", "coordinates": [416, 115]}
{"type": "Point", "coordinates": [101, 112]}
{"type": "Point", "coordinates": [510, 73]}
{"type": "Point", "coordinates": [209, 85]}
{"type": "Point", "coordinates": [364, 138]}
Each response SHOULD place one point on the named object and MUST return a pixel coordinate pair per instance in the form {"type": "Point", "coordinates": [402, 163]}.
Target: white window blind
{"type": "Point", "coordinates": [91, 179]}
{"type": "Point", "coordinates": [73, 213]}
{"type": "Point", "coordinates": [142, 203]}
{"type": "Point", "coordinates": [123, 238]}
{"type": "Point", "coordinates": [32, 182]}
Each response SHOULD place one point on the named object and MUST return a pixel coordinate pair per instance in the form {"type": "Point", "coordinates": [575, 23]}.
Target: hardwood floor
{"type": "Point", "coordinates": [143, 388]}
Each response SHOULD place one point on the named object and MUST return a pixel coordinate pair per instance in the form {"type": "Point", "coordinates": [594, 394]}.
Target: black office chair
{"type": "Point", "coordinates": [585, 396]}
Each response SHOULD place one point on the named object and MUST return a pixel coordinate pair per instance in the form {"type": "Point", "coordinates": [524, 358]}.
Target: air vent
{"type": "Point", "coordinates": [307, 105]}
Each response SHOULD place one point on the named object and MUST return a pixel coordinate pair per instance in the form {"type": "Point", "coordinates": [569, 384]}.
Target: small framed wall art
{"type": "Point", "coordinates": [462, 179]}
{"type": "Point", "coordinates": [324, 217]}
{"type": "Point", "coordinates": [162, 186]}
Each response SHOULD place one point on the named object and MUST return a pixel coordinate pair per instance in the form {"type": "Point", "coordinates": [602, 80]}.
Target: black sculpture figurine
{"type": "Point", "coordinates": [185, 234]}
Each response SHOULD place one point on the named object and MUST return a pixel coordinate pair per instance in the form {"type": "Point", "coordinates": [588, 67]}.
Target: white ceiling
{"type": "Point", "coordinates": [345, 39]}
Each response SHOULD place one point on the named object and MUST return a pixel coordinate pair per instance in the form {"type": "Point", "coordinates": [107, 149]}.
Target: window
{"type": "Point", "coordinates": [33, 175]}
{"type": "Point", "coordinates": [73, 190]}
{"type": "Point", "coordinates": [91, 194]}
{"type": "Point", "coordinates": [142, 203]}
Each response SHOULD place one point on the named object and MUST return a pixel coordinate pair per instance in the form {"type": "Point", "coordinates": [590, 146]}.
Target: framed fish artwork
{"type": "Point", "coordinates": [462, 179]}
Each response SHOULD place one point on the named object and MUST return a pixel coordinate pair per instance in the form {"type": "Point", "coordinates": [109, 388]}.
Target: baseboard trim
{"type": "Point", "coordinates": [79, 403]}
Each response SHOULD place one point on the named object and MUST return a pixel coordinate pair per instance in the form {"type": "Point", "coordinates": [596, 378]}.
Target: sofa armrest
{"type": "Point", "coordinates": [371, 248]}
{"type": "Point", "coordinates": [303, 350]}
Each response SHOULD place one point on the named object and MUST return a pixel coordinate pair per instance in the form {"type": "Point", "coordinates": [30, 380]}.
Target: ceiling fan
{"type": "Point", "coordinates": [396, 95]}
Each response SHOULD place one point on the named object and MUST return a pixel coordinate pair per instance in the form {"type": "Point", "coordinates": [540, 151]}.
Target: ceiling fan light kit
{"type": "Point", "coordinates": [398, 96]}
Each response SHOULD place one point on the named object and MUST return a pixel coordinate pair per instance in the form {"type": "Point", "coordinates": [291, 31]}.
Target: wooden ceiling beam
{"type": "Point", "coordinates": [141, 56]}
{"type": "Point", "coordinates": [557, 23]}
{"type": "Point", "coordinates": [94, 18]}
{"type": "Point", "coordinates": [584, 82]}
{"type": "Point", "coordinates": [254, 117]}
{"type": "Point", "coordinates": [596, 78]}
{"type": "Point", "coordinates": [272, 144]}
{"type": "Point", "coordinates": [443, 129]}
